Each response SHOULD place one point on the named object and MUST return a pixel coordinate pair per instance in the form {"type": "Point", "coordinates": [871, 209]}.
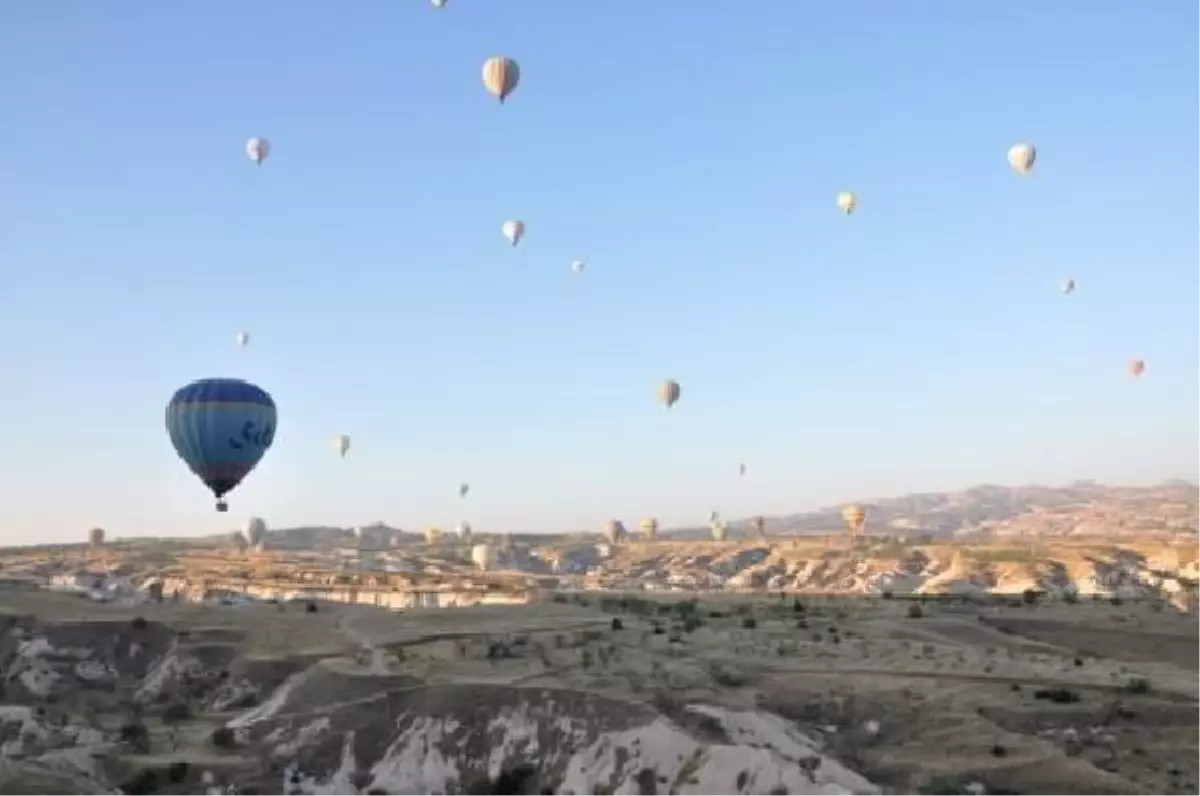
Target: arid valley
{"type": "Point", "coordinates": [997, 640]}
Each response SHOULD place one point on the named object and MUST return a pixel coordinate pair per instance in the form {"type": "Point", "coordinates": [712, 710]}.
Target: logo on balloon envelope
{"type": "Point", "coordinates": [252, 436]}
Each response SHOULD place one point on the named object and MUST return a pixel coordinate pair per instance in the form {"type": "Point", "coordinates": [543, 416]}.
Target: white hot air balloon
{"type": "Point", "coordinates": [846, 202]}
{"type": "Point", "coordinates": [1021, 158]}
{"type": "Point", "coordinates": [513, 231]}
{"type": "Point", "coordinates": [483, 557]}
{"type": "Point", "coordinates": [1068, 287]}
{"type": "Point", "coordinates": [257, 150]}
{"type": "Point", "coordinates": [578, 266]}
{"type": "Point", "coordinates": [254, 529]}
{"type": "Point", "coordinates": [438, 3]}
{"type": "Point", "coordinates": [341, 444]}
{"type": "Point", "coordinates": [243, 339]}
{"type": "Point", "coordinates": [463, 530]}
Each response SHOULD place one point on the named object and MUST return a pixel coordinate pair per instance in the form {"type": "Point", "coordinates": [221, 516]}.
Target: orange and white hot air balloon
{"type": "Point", "coordinates": [500, 76]}
{"type": "Point", "coordinates": [855, 518]}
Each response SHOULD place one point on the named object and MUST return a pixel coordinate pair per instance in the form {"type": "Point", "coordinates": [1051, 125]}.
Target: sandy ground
{"type": "Point", "coordinates": [1085, 698]}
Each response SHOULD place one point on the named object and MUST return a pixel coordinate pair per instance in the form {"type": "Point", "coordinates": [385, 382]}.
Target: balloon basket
{"type": "Point", "coordinates": [222, 506]}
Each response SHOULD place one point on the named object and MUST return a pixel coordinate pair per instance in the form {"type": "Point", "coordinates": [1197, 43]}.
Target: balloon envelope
{"type": "Point", "coordinates": [221, 428]}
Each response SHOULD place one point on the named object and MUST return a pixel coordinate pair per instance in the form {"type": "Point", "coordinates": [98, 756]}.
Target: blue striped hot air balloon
{"type": "Point", "coordinates": [221, 428]}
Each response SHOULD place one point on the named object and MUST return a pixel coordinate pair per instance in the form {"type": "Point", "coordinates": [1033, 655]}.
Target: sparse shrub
{"type": "Point", "coordinates": [511, 781]}
{"type": "Point", "coordinates": [1030, 596]}
{"type": "Point", "coordinates": [146, 781]}
{"type": "Point", "coordinates": [888, 594]}
{"type": "Point", "coordinates": [176, 711]}
{"type": "Point", "coordinates": [999, 750]}
{"type": "Point", "coordinates": [310, 607]}
{"type": "Point", "coordinates": [798, 607]}
{"type": "Point", "coordinates": [743, 778]}
{"type": "Point", "coordinates": [658, 630]}
{"type": "Point", "coordinates": [1070, 597]}
{"type": "Point", "coordinates": [135, 735]}
{"type": "Point", "coordinates": [675, 638]}
{"type": "Point", "coordinates": [1137, 685]}
{"type": "Point", "coordinates": [686, 608]}
{"type": "Point", "coordinates": [915, 611]}
{"type": "Point", "coordinates": [743, 609]}
{"type": "Point", "coordinates": [177, 772]}
{"type": "Point", "coordinates": [616, 623]}
{"type": "Point", "coordinates": [1116, 601]}
{"type": "Point", "coordinates": [691, 623]}
{"type": "Point", "coordinates": [717, 614]}
{"type": "Point", "coordinates": [1061, 696]}
{"type": "Point", "coordinates": [138, 623]}
{"type": "Point", "coordinates": [663, 609]}
{"type": "Point", "coordinates": [1015, 687]}
{"type": "Point", "coordinates": [801, 624]}
{"type": "Point", "coordinates": [560, 641]}
{"type": "Point", "coordinates": [559, 598]}
{"type": "Point", "coordinates": [818, 637]}
{"type": "Point", "coordinates": [836, 639]}
{"type": "Point", "coordinates": [749, 622]}
{"type": "Point", "coordinates": [1078, 661]}
{"type": "Point", "coordinates": [223, 738]}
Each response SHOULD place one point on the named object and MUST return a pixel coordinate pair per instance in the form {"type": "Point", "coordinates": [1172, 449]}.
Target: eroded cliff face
{"type": "Point", "coordinates": [466, 738]}
{"type": "Point", "coordinates": [99, 707]}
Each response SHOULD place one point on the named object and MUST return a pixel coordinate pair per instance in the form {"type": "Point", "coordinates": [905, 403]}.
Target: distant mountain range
{"type": "Point", "coordinates": [1077, 508]}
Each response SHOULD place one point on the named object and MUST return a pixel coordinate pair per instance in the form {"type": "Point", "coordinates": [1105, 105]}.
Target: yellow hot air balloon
{"type": "Point", "coordinates": [1022, 157]}
{"type": "Point", "coordinates": [500, 76]}
{"type": "Point", "coordinates": [649, 528]}
{"type": "Point", "coordinates": [668, 392]}
{"type": "Point", "coordinates": [846, 202]}
{"type": "Point", "coordinates": [433, 535]}
{"type": "Point", "coordinates": [855, 518]}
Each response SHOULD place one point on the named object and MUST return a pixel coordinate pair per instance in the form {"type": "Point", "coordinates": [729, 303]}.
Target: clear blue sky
{"type": "Point", "coordinates": [691, 152]}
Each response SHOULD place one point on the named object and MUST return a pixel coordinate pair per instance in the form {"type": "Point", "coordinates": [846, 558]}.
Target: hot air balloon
{"type": "Point", "coordinates": [649, 528]}
{"type": "Point", "coordinates": [483, 557]}
{"type": "Point", "coordinates": [1136, 367]}
{"type": "Point", "coordinates": [759, 524]}
{"type": "Point", "coordinates": [500, 76]}
{"type": "Point", "coordinates": [438, 3]}
{"type": "Point", "coordinates": [464, 531]}
{"type": "Point", "coordinates": [1022, 157]}
{"type": "Point", "coordinates": [855, 518]}
{"type": "Point", "coordinates": [719, 530]}
{"type": "Point", "coordinates": [513, 231]}
{"type": "Point", "coordinates": [433, 535]}
{"type": "Point", "coordinates": [243, 339]}
{"type": "Point", "coordinates": [463, 489]}
{"type": "Point", "coordinates": [668, 392]}
{"type": "Point", "coordinates": [714, 515]}
{"type": "Point", "coordinates": [846, 202]}
{"type": "Point", "coordinates": [1068, 287]}
{"type": "Point", "coordinates": [257, 149]}
{"type": "Point", "coordinates": [221, 428]}
{"type": "Point", "coordinates": [238, 540]}
{"type": "Point", "coordinates": [578, 266]}
{"type": "Point", "coordinates": [96, 537]}
{"type": "Point", "coordinates": [341, 444]}
{"type": "Point", "coordinates": [613, 532]}
{"type": "Point", "coordinates": [254, 528]}
{"type": "Point", "coordinates": [742, 468]}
